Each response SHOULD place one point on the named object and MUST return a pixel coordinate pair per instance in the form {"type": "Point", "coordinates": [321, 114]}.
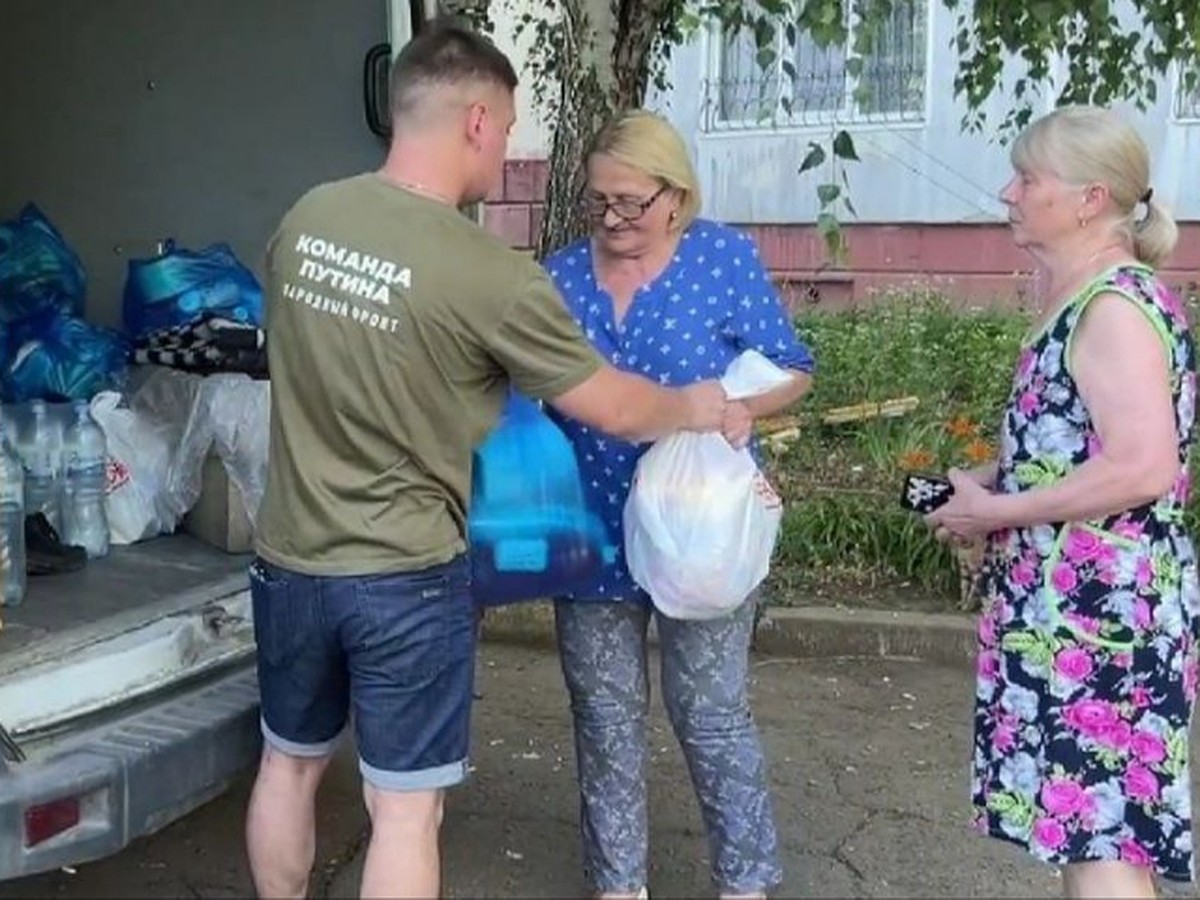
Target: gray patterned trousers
{"type": "Point", "coordinates": [602, 646]}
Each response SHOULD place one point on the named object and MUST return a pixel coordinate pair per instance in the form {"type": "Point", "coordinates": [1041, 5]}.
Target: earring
{"type": "Point", "coordinates": [1083, 222]}
{"type": "Point", "coordinates": [674, 215]}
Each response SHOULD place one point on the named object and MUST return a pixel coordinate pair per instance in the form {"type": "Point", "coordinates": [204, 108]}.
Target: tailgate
{"type": "Point", "coordinates": [142, 619]}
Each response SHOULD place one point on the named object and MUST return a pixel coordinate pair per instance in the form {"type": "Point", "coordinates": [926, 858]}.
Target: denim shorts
{"type": "Point", "coordinates": [395, 651]}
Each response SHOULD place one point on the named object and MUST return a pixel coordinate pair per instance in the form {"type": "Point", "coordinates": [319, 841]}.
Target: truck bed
{"type": "Point", "coordinates": [114, 592]}
{"type": "Point", "coordinates": [128, 690]}
{"type": "Point", "coordinates": [127, 627]}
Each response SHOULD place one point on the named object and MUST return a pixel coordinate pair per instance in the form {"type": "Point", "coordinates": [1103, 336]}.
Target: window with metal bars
{"type": "Point", "coordinates": [807, 84]}
{"type": "Point", "coordinates": [1187, 100]}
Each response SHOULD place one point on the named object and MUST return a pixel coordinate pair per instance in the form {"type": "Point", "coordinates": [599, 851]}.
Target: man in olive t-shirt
{"type": "Point", "coordinates": [395, 326]}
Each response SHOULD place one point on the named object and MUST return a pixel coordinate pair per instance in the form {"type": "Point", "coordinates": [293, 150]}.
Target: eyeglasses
{"type": "Point", "coordinates": [629, 210]}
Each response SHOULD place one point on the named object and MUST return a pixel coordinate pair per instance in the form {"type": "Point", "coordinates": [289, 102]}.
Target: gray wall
{"type": "Point", "coordinates": [253, 101]}
{"type": "Point", "coordinates": [929, 171]}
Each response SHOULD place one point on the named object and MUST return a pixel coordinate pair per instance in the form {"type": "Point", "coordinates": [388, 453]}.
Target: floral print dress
{"type": "Point", "coordinates": [1087, 661]}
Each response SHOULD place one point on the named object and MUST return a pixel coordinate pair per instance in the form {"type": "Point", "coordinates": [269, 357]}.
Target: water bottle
{"type": "Point", "coordinates": [85, 455]}
{"type": "Point", "coordinates": [40, 448]}
{"type": "Point", "coordinates": [12, 525]}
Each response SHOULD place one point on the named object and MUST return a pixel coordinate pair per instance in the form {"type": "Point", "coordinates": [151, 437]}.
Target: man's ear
{"type": "Point", "coordinates": [477, 114]}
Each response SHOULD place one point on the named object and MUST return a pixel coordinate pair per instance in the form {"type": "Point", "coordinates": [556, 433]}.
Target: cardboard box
{"type": "Point", "coordinates": [219, 516]}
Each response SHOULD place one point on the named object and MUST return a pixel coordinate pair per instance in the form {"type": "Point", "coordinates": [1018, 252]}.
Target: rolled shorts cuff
{"type": "Point", "coordinates": [431, 779]}
{"type": "Point", "coordinates": [302, 751]}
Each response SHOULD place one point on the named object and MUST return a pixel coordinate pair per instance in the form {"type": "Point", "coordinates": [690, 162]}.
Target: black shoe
{"type": "Point", "coordinates": [45, 553]}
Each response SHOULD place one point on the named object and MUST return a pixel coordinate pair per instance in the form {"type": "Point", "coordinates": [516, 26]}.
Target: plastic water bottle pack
{"type": "Point", "coordinates": [63, 459]}
{"type": "Point", "coordinates": [12, 524]}
{"type": "Point", "coordinates": [85, 467]}
{"type": "Point", "coordinates": [39, 442]}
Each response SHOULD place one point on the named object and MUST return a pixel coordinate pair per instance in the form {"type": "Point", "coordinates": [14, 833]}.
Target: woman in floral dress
{"type": "Point", "coordinates": [1087, 640]}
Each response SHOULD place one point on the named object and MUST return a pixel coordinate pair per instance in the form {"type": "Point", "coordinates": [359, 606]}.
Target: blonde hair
{"type": "Point", "coordinates": [1085, 144]}
{"type": "Point", "coordinates": [647, 142]}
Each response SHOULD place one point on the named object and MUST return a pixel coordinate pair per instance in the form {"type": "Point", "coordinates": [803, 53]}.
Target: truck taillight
{"type": "Point", "coordinates": [47, 820]}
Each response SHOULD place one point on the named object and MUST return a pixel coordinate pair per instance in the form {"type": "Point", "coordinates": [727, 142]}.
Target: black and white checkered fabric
{"type": "Point", "coordinates": [205, 347]}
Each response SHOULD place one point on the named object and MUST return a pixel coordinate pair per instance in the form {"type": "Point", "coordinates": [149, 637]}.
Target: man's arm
{"type": "Point", "coordinates": [545, 352]}
{"type": "Point", "coordinates": [633, 408]}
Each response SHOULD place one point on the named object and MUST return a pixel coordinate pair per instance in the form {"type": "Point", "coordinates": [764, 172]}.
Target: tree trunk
{"type": "Point", "coordinates": [604, 65]}
{"type": "Point", "coordinates": [586, 81]}
{"type": "Point", "coordinates": [640, 26]}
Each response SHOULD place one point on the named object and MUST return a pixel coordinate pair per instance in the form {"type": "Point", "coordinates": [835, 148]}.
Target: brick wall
{"type": "Point", "coordinates": [514, 212]}
{"type": "Point", "coordinates": [973, 263]}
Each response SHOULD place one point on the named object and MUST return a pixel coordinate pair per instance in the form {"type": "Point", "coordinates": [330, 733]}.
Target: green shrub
{"type": "Point", "coordinates": [844, 536]}
{"type": "Point", "coordinates": [843, 529]}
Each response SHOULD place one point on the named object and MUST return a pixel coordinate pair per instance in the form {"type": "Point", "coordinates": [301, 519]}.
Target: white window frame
{"type": "Point", "coordinates": [1184, 110]}
{"type": "Point", "coordinates": [812, 120]}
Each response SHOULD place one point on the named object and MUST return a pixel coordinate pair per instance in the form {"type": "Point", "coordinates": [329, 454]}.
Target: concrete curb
{"type": "Point", "coordinates": [943, 638]}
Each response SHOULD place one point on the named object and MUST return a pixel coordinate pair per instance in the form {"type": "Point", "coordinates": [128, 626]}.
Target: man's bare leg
{"type": "Point", "coordinates": [403, 859]}
{"type": "Point", "coordinates": [281, 822]}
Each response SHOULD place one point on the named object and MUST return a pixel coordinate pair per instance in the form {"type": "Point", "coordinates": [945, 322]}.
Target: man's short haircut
{"type": "Point", "coordinates": [446, 52]}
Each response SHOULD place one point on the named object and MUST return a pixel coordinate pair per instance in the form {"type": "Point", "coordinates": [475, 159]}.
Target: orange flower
{"type": "Point", "coordinates": [962, 428]}
{"type": "Point", "coordinates": [978, 451]}
{"type": "Point", "coordinates": [915, 460]}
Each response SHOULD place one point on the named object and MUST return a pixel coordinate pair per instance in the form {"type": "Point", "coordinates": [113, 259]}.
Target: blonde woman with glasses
{"type": "Point", "coordinates": [673, 297]}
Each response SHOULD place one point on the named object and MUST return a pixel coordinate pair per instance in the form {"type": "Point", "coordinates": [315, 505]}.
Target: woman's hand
{"type": "Point", "coordinates": [970, 515]}
{"type": "Point", "coordinates": [737, 424]}
{"type": "Point", "coordinates": [985, 475]}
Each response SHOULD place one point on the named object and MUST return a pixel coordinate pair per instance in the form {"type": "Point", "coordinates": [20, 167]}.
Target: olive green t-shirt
{"type": "Point", "coordinates": [394, 326]}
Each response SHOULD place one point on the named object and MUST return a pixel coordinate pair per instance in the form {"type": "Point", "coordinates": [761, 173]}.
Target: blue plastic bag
{"type": "Point", "coordinates": [39, 273]}
{"type": "Point", "coordinates": [181, 286]}
{"type": "Point", "coordinates": [61, 358]}
{"type": "Point", "coordinates": [531, 534]}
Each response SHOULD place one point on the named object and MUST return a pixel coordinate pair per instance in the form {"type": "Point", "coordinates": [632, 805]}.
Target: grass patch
{"type": "Point", "coordinates": [844, 537]}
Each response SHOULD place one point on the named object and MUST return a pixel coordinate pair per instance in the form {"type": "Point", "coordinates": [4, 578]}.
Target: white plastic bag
{"type": "Point", "coordinates": [172, 401]}
{"type": "Point", "coordinates": [239, 409]}
{"type": "Point", "coordinates": [158, 443]}
{"type": "Point", "coordinates": [155, 452]}
{"type": "Point", "coordinates": [139, 459]}
{"type": "Point", "coordinates": [701, 519]}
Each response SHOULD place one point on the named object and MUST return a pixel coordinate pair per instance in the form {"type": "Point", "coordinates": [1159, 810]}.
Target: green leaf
{"type": "Point", "coordinates": [827, 224]}
{"type": "Point", "coordinates": [831, 230]}
{"type": "Point", "coordinates": [1177, 753]}
{"type": "Point", "coordinates": [1021, 815]}
{"type": "Point", "coordinates": [1109, 758]}
{"type": "Point", "coordinates": [843, 146]}
{"type": "Point", "coordinates": [764, 34]}
{"type": "Point", "coordinates": [814, 157]}
{"type": "Point", "coordinates": [1040, 471]}
{"type": "Point", "coordinates": [1002, 802]}
{"type": "Point", "coordinates": [1022, 642]}
{"type": "Point", "coordinates": [827, 193]}
{"type": "Point", "coordinates": [1041, 654]}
